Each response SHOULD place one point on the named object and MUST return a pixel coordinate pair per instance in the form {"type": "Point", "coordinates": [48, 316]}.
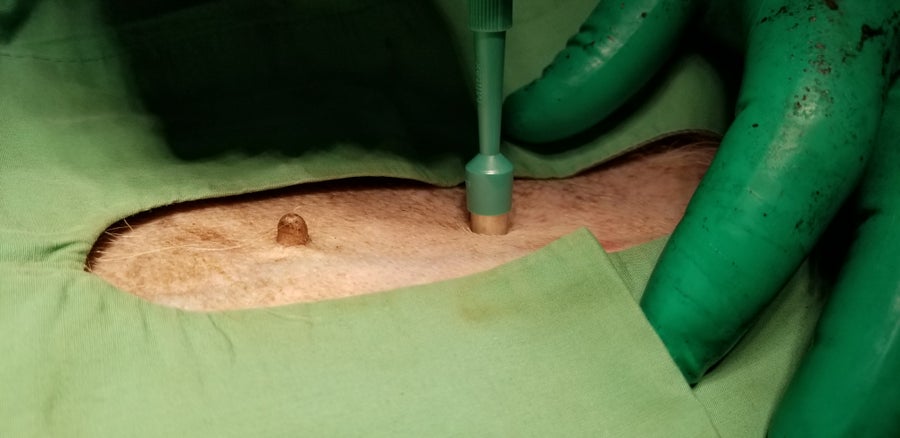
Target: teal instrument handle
{"type": "Point", "coordinates": [489, 176]}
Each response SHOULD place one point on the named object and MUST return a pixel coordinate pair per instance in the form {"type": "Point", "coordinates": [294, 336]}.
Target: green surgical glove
{"type": "Point", "coordinates": [816, 119]}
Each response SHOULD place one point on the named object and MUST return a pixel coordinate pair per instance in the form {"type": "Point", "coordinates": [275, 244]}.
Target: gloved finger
{"type": "Point", "coordinates": [616, 51]}
{"type": "Point", "coordinates": [847, 383]}
{"type": "Point", "coordinates": [808, 111]}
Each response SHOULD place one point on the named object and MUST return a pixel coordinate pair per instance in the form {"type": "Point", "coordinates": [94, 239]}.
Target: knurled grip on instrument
{"type": "Point", "coordinates": [490, 15]}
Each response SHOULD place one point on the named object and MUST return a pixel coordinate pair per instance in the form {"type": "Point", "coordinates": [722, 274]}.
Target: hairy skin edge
{"type": "Point", "coordinates": [368, 235]}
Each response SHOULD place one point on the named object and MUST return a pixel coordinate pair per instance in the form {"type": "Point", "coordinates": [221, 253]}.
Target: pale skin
{"type": "Point", "coordinates": [373, 235]}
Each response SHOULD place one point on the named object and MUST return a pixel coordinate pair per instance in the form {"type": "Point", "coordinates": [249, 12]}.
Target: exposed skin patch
{"type": "Point", "coordinates": [379, 234]}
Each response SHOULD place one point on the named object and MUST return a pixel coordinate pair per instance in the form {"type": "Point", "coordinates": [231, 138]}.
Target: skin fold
{"type": "Point", "coordinates": [813, 95]}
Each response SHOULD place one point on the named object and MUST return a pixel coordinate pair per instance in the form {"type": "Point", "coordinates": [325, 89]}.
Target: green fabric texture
{"type": "Point", "coordinates": [740, 394]}
{"type": "Point", "coordinates": [505, 353]}
{"type": "Point", "coordinates": [111, 108]}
